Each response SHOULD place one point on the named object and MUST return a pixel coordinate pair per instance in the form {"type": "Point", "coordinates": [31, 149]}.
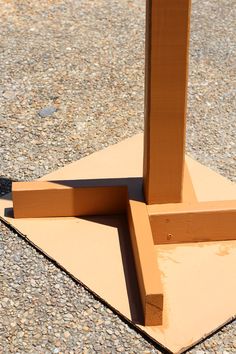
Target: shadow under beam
{"type": "Point", "coordinates": [134, 184]}
{"type": "Point", "coordinates": [121, 224]}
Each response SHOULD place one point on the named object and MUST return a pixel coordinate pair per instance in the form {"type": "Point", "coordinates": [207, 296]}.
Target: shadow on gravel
{"type": "Point", "coordinates": [5, 187]}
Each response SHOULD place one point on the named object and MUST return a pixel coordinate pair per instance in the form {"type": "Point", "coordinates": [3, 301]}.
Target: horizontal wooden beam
{"type": "Point", "coordinates": [149, 277]}
{"type": "Point", "coordinates": [52, 199]}
{"type": "Point", "coordinates": [193, 222]}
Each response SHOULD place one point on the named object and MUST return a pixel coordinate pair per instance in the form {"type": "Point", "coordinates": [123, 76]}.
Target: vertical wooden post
{"type": "Point", "coordinates": [167, 38]}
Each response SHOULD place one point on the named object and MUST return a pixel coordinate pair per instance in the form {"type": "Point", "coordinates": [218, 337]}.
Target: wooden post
{"type": "Point", "coordinates": [167, 38]}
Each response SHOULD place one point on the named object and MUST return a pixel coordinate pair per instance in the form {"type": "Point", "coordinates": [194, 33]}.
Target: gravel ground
{"type": "Point", "coordinates": [72, 83]}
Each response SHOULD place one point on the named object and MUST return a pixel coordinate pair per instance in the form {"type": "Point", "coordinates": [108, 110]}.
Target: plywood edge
{"type": "Point", "coordinates": [148, 275]}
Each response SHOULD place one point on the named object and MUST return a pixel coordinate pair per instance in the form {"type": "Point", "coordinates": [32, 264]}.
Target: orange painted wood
{"type": "Point", "coordinates": [149, 277]}
{"type": "Point", "coordinates": [195, 222]}
{"type": "Point", "coordinates": [51, 199]}
{"type": "Point", "coordinates": [167, 41]}
{"type": "Point", "coordinates": [188, 194]}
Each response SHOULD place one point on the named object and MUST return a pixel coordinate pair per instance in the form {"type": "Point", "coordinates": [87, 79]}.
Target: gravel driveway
{"type": "Point", "coordinates": [71, 83]}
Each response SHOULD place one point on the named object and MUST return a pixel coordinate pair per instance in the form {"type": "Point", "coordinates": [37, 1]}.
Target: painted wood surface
{"type": "Point", "coordinates": [167, 38]}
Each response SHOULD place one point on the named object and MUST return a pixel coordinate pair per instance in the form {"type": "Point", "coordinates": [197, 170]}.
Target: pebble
{"type": "Point", "coordinates": [47, 111]}
{"type": "Point", "coordinates": [66, 334]}
{"type": "Point", "coordinates": [83, 65]}
{"type": "Point", "coordinates": [68, 316]}
{"type": "Point", "coordinates": [33, 282]}
{"type": "Point", "coordinates": [86, 328]}
{"type": "Point", "coordinates": [9, 95]}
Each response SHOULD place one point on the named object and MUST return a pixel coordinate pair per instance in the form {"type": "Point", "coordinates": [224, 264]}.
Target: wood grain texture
{"type": "Point", "coordinates": [167, 41]}
{"type": "Point", "coordinates": [53, 199]}
{"type": "Point", "coordinates": [149, 277]}
{"type": "Point", "coordinates": [59, 198]}
{"type": "Point", "coordinates": [193, 222]}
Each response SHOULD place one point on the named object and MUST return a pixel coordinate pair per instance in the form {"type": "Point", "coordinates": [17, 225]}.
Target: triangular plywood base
{"type": "Point", "coordinates": [198, 279]}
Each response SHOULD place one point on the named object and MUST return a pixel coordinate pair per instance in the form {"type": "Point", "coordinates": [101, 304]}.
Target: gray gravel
{"type": "Point", "coordinates": [47, 111]}
{"type": "Point", "coordinates": [85, 59]}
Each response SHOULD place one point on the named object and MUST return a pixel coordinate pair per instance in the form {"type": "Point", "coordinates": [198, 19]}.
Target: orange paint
{"type": "Point", "coordinates": [149, 277]}
{"type": "Point", "coordinates": [54, 199]}
{"type": "Point", "coordinates": [167, 42]}
{"type": "Point", "coordinates": [171, 214]}
{"type": "Point", "coordinates": [193, 222]}
{"type": "Point", "coordinates": [194, 277]}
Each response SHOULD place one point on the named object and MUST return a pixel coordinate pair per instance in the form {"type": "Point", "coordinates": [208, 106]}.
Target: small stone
{"type": "Point", "coordinates": [86, 328]}
{"type": "Point", "coordinates": [9, 95]}
{"type": "Point", "coordinates": [21, 334]}
{"type": "Point", "coordinates": [68, 316]}
{"type": "Point", "coordinates": [47, 111]}
{"type": "Point", "coordinates": [66, 334]}
{"type": "Point", "coordinates": [96, 306]}
{"type": "Point", "coordinates": [20, 158]}
{"type": "Point", "coordinates": [33, 282]}
{"type": "Point", "coordinates": [97, 347]}
{"type": "Point", "coordinates": [109, 331]}
{"type": "Point", "coordinates": [56, 351]}
{"type": "Point", "coordinates": [37, 336]}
